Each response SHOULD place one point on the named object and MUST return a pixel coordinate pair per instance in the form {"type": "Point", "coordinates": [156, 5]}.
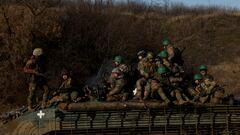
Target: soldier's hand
{"type": "Point", "coordinates": [54, 93]}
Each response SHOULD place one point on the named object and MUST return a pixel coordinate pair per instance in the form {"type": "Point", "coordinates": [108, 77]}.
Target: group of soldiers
{"type": "Point", "coordinates": [159, 77]}
{"type": "Point", "coordinates": [162, 78]}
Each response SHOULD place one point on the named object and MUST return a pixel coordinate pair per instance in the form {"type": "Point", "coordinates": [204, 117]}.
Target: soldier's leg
{"type": "Point", "coordinates": [139, 85]}
{"type": "Point", "coordinates": [147, 91]}
{"type": "Point", "coordinates": [179, 97]}
{"type": "Point", "coordinates": [117, 89]}
{"type": "Point", "coordinates": [217, 97]}
{"type": "Point", "coordinates": [203, 99]}
{"type": "Point", "coordinates": [32, 89]}
{"type": "Point", "coordinates": [45, 96]}
{"type": "Point", "coordinates": [163, 95]}
{"type": "Point", "coordinates": [55, 100]}
{"type": "Point", "coordinates": [125, 96]}
{"type": "Point", "coordinates": [74, 96]}
{"type": "Point", "coordinates": [194, 94]}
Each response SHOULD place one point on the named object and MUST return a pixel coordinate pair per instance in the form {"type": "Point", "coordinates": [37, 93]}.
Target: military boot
{"type": "Point", "coordinates": [179, 98]}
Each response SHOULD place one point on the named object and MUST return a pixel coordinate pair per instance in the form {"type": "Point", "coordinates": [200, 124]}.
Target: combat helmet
{"type": "Point", "coordinates": [118, 59]}
{"type": "Point", "coordinates": [37, 51]}
{"type": "Point", "coordinates": [166, 42]}
{"type": "Point", "coordinates": [197, 77]}
{"type": "Point", "coordinates": [163, 54]}
{"type": "Point", "coordinates": [162, 70]}
{"type": "Point", "coordinates": [203, 67]}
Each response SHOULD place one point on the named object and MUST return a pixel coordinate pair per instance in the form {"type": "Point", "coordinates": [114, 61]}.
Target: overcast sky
{"type": "Point", "coordinates": [224, 3]}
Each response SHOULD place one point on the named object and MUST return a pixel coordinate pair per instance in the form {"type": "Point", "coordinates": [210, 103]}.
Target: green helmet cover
{"type": "Point", "coordinates": [203, 67]}
{"type": "Point", "coordinates": [166, 42]}
{"type": "Point", "coordinates": [197, 77]}
{"type": "Point", "coordinates": [118, 59]}
{"type": "Point", "coordinates": [163, 54]}
{"type": "Point", "coordinates": [162, 70]}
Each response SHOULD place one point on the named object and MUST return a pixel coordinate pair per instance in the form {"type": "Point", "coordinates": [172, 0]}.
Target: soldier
{"type": "Point", "coordinates": [117, 83]}
{"type": "Point", "coordinates": [67, 90]}
{"type": "Point", "coordinates": [171, 84]}
{"type": "Point", "coordinates": [146, 68]}
{"type": "Point", "coordinates": [35, 68]}
{"type": "Point", "coordinates": [155, 87]}
{"type": "Point", "coordinates": [174, 54]}
{"type": "Point", "coordinates": [204, 89]}
{"type": "Point", "coordinates": [204, 71]}
{"type": "Point", "coordinates": [118, 62]}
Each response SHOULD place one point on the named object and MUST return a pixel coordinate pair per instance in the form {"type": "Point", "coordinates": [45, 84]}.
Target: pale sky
{"type": "Point", "coordinates": [223, 3]}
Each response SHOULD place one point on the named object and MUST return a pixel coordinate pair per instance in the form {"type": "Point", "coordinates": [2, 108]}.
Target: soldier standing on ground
{"type": "Point", "coordinates": [35, 67]}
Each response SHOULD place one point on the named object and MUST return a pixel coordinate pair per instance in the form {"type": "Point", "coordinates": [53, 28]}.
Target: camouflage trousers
{"type": "Point", "coordinates": [141, 86]}
{"type": "Point", "coordinates": [152, 88]}
{"type": "Point", "coordinates": [64, 97]}
{"type": "Point", "coordinates": [32, 90]}
{"type": "Point", "coordinates": [116, 90]}
{"type": "Point", "coordinates": [118, 97]}
{"type": "Point", "coordinates": [180, 97]}
{"type": "Point", "coordinates": [197, 97]}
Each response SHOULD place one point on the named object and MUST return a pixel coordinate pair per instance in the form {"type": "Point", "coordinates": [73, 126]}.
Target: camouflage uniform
{"type": "Point", "coordinates": [146, 70]}
{"type": "Point", "coordinates": [35, 68]}
{"type": "Point", "coordinates": [65, 96]}
{"type": "Point", "coordinates": [177, 92]}
{"type": "Point", "coordinates": [117, 84]}
{"type": "Point", "coordinates": [155, 91]}
{"type": "Point", "coordinates": [204, 89]}
{"type": "Point", "coordinates": [174, 54]}
{"type": "Point", "coordinates": [171, 85]}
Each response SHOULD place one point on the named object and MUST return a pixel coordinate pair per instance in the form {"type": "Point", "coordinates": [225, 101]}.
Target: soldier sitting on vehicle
{"type": "Point", "coordinates": [174, 54]}
{"type": "Point", "coordinates": [146, 69]}
{"type": "Point", "coordinates": [169, 84]}
{"type": "Point", "coordinates": [205, 90]}
{"type": "Point", "coordinates": [116, 83]}
{"type": "Point", "coordinates": [67, 92]}
{"type": "Point", "coordinates": [154, 88]}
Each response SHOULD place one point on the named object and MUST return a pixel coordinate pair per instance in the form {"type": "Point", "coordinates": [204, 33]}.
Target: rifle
{"type": "Point", "coordinates": [5, 117]}
{"type": "Point", "coordinates": [101, 87]}
{"type": "Point", "coordinates": [63, 90]}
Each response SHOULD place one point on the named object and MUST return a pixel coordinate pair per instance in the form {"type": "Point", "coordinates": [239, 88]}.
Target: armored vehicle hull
{"type": "Point", "coordinates": [127, 118]}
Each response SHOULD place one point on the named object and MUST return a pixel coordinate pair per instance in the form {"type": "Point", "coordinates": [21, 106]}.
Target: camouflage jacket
{"type": "Point", "coordinates": [36, 66]}
{"type": "Point", "coordinates": [146, 68]}
{"type": "Point", "coordinates": [66, 84]}
{"type": "Point", "coordinates": [206, 87]}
